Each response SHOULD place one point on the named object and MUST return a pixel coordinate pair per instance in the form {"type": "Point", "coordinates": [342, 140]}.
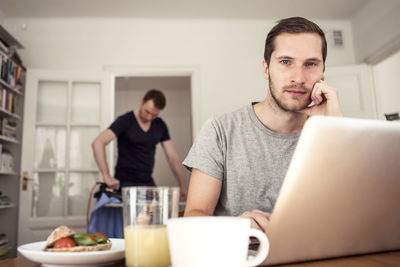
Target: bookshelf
{"type": "Point", "coordinates": [12, 83]}
{"type": "Point", "coordinates": [6, 206]}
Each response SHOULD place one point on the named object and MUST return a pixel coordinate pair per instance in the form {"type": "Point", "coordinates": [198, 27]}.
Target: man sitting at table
{"type": "Point", "coordinates": [239, 159]}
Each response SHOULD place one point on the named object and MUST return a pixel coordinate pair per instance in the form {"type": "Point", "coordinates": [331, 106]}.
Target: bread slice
{"type": "Point", "coordinates": [65, 231]}
{"type": "Point", "coordinates": [59, 232]}
{"type": "Point", "coordinates": [98, 247]}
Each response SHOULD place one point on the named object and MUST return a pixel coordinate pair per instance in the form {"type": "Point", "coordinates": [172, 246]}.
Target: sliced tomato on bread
{"type": "Point", "coordinates": [64, 239]}
{"type": "Point", "coordinates": [64, 242]}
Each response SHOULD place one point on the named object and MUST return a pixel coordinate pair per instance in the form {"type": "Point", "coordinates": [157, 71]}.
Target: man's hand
{"type": "Point", "coordinates": [259, 219]}
{"type": "Point", "coordinates": [183, 192]}
{"type": "Point", "coordinates": [326, 101]}
{"type": "Point", "coordinates": [99, 151]}
{"type": "Point", "coordinates": [111, 182]}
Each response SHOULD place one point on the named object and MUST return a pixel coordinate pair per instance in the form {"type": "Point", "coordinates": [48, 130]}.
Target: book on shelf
{"type": "Point", "coordinates": [11, 73]}
{"type": "Point", "coordinates": [7, 161]}
{"type": "Point", "coordinates": [5, 200]}
{"type": "Point", "coordinates": [1, 95]}
{"type": "Point", "coordinates": [4, 250]}
{"type": "Point", "coordinates": [8, 100]}
{"type": "Point", "coordinates": [9, 128]}
{"type": "Point", "coordinates": [11, 100]}
{"type": "Point", "coordinates": [3, 73]}
{"type": "Point", "coordinates": [1, 65]}
{"type": "Point", "coordinates": [4, 98]}
{"type": "Point", "coordinates": [4, 245]}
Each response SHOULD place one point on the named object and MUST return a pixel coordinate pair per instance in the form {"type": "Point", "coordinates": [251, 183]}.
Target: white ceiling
{"type": "Point", "coordinates": [243, 9]}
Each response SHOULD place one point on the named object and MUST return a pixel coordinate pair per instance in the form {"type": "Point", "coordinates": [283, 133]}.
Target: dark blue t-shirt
{"type": "Point", "coordinates": [136, 149]}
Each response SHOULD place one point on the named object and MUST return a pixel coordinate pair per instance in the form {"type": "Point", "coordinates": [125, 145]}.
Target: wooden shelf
{"type": "Point", "coordinates": [8, 113]}
{"type": "Point", "coordinates": [8, 139]}
{"type": "Point", "coordinates": [11, 88]}
{"type": "Point", "coordinates": [7, 206]}
{"type": "Point", "coordinates": [8, 173]}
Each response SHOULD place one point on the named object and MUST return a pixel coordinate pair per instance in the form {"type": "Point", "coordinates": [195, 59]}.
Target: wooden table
{"type": "Point", "coordinates": [386, 259]}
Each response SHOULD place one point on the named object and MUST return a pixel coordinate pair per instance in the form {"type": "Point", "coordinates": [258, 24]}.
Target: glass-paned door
{"type": "Point", "coordinates": [65, 117]}
{"type": "Point", "coordinates": [67, 121]}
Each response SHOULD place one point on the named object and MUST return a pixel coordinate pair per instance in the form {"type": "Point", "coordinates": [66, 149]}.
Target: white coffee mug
{"type": "Point", "coordinates": [214, 241]}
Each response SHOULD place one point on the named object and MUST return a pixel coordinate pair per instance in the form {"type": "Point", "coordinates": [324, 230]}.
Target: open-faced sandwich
{"type": "Point", "coordinates": [64, 239]}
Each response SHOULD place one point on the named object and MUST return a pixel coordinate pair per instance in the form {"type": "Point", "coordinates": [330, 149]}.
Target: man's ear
{"type": "Point", "coordinates": [265, 69]}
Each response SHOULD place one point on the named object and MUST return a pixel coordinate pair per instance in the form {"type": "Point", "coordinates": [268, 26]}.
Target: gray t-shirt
{"type": "Point", "coordinates": [249, 159]}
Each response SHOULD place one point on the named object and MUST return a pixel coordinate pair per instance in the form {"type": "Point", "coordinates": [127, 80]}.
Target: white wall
{"type": "Point", "coordinates": [227, 52]}
{"type": "Point", "coordinates": [376, 30]}
{"type": "Point", "coordinates": [387, 85]}
{"type": "Point", "coordinates": [2, 17]}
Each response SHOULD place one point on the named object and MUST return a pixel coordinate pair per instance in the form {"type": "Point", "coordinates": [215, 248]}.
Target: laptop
{"type": "Point", "coordinates": [341, 194]}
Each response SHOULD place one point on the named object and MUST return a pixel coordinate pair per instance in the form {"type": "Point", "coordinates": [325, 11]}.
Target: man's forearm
{"type": "Point", "coordinates": [176, 168]}
{"type": "Point", "coordinates": [99, 153]}
{"type": "Point", "coordinates": [194, 213]}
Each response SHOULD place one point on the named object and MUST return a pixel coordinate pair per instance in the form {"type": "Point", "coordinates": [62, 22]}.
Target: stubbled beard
{"type": "Point", "coordinates": [143, 117]}
{"type": "Point", "coordinates": [280, 103]}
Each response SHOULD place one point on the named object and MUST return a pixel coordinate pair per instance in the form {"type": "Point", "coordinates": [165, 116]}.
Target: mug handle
{"type": "Point", "coordinates": [263, 249]}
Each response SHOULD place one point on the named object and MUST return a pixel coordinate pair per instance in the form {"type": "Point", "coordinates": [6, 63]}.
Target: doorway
{"type": "Point", "coordinates": [129, 91]}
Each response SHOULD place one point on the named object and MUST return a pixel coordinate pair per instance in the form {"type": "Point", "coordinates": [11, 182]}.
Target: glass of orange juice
{"type": "Point", "coordinates": [146, 211]}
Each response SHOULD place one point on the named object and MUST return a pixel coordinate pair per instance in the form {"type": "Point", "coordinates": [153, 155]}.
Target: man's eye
{"type": "Point", "coordinates": [311, 64]}
{"type": "Point", "coordinates": [285, 61]}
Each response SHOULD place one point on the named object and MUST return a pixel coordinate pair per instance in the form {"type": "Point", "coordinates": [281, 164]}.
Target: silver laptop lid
{"type": "Point", "coordinates": [341, 194]}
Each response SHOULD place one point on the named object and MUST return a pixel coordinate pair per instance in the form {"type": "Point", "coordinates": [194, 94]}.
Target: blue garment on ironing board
{"type": "Point", "coordinates": [107, 220]}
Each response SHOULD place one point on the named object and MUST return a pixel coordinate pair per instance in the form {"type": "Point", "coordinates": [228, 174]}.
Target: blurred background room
{"type": "Point", "coordinates": [82, 63]}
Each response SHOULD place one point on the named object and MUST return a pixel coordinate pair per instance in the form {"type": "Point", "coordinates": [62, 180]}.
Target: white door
{"type": "Point", "coordinates": [64, 112]}
{"type": "Point", "coordinates": [356, 89]}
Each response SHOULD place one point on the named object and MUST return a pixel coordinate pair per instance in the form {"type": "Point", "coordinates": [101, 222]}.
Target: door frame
{"type": "Point", "coordinates": [192, 71]}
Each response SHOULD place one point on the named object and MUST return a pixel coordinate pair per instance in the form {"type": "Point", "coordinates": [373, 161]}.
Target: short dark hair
{"type": "Point", "coordinates": [293, 25]}
{"type": "Point", "coordinates": [157, 96]}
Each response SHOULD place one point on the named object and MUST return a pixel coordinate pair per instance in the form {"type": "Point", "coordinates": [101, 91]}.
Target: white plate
{"type": "Point", "coordinates": [34, 252]}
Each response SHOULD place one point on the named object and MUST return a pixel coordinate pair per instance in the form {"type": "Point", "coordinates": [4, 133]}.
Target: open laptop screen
{"type": "Point", "coordinates": [341, 194]}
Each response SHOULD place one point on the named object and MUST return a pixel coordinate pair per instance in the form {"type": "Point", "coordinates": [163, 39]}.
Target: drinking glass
{"type": "Point", "coordinates": [146, 211]}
